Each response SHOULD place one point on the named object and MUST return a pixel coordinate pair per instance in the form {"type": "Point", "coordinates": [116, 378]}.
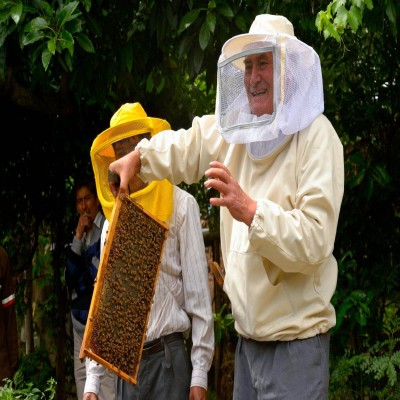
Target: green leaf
{"type": "Point", "coordinates": [149, 83]}
{"type": "Point", "coordinates": [369, 4]}
{"type": "Point", "coordinates": [185, 45]}
{"type": "Point", "coordinates": [225, 10]}
{"type": "Point", "coordinates": [198, 59]}
{"type": "Point", "coordinates": [16, 12]}
{"type": "Point", "coordinates": [204, 36]}
{"type": "Point", "coordinates": [340, 20]}
{"type": "Point", "coordinates": [391, 11]}
{"type": "Point", "coordinates": [240, 22]}
{"type": "Point", "coordinates": [37, 24]}
{"type": "Point", "coordinates": [4, 33]}
{"type": "Point", "coordinates": [74, 26]}
{"type": "Point", "coordinates": [127, 57]}
{"type": "Point", "coordinates": [87, 4]}
{"type": "Point", "coordinates": [32, 37]}
{"type": "Point", "coordinates": [46, 57]}
{"type": "Point", "coordinates": [161, 85]}
{"type": "Point", "coordinates": [336, 4]}
{"type": "Point", "coordinates": [381, 176]}
{"type": "Point", "coordinates": [68, 59]}
{"type": "Point", "coordinates": [211, 21]}
{"type": "Point", "coordinates": [66, 40]}
{"type": "Point", "coordinates": [86, 44]}
{"type": "Point", "coordinates": [188, 20]}
{"type": "Point", "coordinates": [51, 45]}
{"type": "Point", "coordinates": [353, 21]}
{"type": "Point", "coordinates": [65, 13]}
{"type": "Point", "coordinates": [331, 31]}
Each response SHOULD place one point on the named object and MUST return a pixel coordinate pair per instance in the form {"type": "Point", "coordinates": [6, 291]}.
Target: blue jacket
{"type": "Point", "coordinates": [80, 273]}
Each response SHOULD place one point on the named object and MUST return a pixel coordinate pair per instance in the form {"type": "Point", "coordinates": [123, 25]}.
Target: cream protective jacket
{"type": "Point", "coordinates": [280, 273]}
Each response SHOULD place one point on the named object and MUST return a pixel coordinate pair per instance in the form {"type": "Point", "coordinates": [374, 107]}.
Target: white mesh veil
{"type": "Point", "coordinates": [297, 90]}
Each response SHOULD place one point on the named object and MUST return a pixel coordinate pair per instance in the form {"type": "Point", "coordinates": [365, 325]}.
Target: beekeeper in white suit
{"type": "Point", "coordinates": [277, 163]}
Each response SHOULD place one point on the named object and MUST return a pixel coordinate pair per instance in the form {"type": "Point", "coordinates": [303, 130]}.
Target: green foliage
{"type": "Point", "coordinates": [19, 389]}
{"type": "Point", "coordinates": [53, 32]}
{"type": "Point", "coordinates": [373, 374]}
{"type": "Point", "coordinates": [223, 324]}
{"type": "Point", "coordinates": [348, 14]}
{"type": "Point", "coordinates": [336, 18]}
{"type": "Point", "coordinates": [36, 368]}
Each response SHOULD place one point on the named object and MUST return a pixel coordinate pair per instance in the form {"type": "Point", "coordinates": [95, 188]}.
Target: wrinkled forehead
{"type": "Point", "coordinates": [266, 56]}
{"type": "Point", "coordinates": [250, 53]}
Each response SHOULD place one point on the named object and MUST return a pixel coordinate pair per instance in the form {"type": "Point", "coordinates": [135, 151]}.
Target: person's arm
{"type": "Point", "coordinates": [197, 291]}
{"type": "Point", "coordinates": [179, 156]}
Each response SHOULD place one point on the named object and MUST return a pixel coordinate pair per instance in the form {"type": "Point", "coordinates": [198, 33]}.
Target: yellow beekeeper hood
{"type": "Point", "coordinates": [130, 120]}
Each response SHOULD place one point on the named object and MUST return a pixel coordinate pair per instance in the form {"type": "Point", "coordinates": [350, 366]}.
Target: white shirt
{"type": "Point", "coordinates": [182, 297]}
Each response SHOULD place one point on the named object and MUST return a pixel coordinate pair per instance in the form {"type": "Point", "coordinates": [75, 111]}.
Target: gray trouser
{"type": "Point", "coordinates": [164, 375]}
{"type": "Point", "coordinates": [293, 370]}
{"type": "Point", "coordinates": [107, 390]}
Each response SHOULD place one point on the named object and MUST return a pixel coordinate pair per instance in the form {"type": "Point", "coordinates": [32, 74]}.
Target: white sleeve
{"type": "Point", "coordinates": [94, 372]}
{"type": "Point", "coordinates": [197, 290]}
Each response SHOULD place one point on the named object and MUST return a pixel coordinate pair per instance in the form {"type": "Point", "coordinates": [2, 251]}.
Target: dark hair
{"type": "Point", "coordinates": [85, 181]}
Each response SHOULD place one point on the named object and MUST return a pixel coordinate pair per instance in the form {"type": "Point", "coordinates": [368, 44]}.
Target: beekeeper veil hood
{"type": "Point", "coordinates": [269, 85]}
{"type": "Point", "coordinates": [130, 120]}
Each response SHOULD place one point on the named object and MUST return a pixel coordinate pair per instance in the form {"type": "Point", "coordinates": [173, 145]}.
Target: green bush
{"type": "Point", "coordinates": [19, 389]}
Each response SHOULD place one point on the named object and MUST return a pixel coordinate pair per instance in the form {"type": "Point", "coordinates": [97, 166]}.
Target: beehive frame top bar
{"type": "Point", "coordinates": [124, 289]}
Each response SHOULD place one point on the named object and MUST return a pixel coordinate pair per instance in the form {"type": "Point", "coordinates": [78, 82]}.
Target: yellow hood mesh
{"type": "Point", "coordinates": [130, 120]}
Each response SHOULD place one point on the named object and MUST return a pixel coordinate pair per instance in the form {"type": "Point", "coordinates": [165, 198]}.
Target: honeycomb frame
{"type": "Point", "coordinates": [124, 288]}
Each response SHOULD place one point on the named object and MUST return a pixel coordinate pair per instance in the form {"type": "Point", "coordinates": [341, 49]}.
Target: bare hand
{"type": "Point", "coordinates": [90, 396]}
{"type": "Point", "coordinates": [84, 225]}
{"type": "Point", "coordinates": [125, 168]}
{"type": "Point", "coordinates": [240, 205]}
{"type": "Point", "coordinates": [197, 393]}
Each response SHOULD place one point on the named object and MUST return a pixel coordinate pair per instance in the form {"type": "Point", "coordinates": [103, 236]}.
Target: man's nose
{"type": "Point", "coordinates": [255, 76]}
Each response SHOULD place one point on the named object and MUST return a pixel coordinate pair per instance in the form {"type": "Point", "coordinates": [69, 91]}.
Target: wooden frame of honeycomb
{"type": "Point", "coordinates": [124, 289]}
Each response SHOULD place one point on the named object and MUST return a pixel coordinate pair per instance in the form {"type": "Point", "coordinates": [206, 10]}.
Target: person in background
{"type": "Point", "coordinates": [277, 163]}
{"type": "Point", "coordinates": [80, 273]}
{"type": "Point", "coordinates": [182, 299]}
{"type": "Point", "coordinates": [8, 320]}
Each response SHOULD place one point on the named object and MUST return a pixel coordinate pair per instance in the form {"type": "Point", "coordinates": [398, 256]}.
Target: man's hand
{"type": "Point", "coordinates": [197, 393]}
{"type": "Point", "coordinates": [90, 396]}
{"type": "Point", "coordinates": [84, 225]}
{"type": "Point", "coordinates": [240, 205]}
{"type": "Point", "coordinates": [125, 168]}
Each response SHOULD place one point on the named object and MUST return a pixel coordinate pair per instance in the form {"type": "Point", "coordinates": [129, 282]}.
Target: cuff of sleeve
{"type": "Point", "coordinates": [93, 376]}
{"type": "Point", "coordinates": [76, 246]}
{"type": "Point", "coordinates": [144, 167]}
{"type": "Point", "coordinates": [199, 378]}
{"type": "Point", "coordinates": [257, 217]}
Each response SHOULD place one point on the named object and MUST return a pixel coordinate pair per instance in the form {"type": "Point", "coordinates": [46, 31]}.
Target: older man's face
{"type": "Point", "coordinates": [258, 81]}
